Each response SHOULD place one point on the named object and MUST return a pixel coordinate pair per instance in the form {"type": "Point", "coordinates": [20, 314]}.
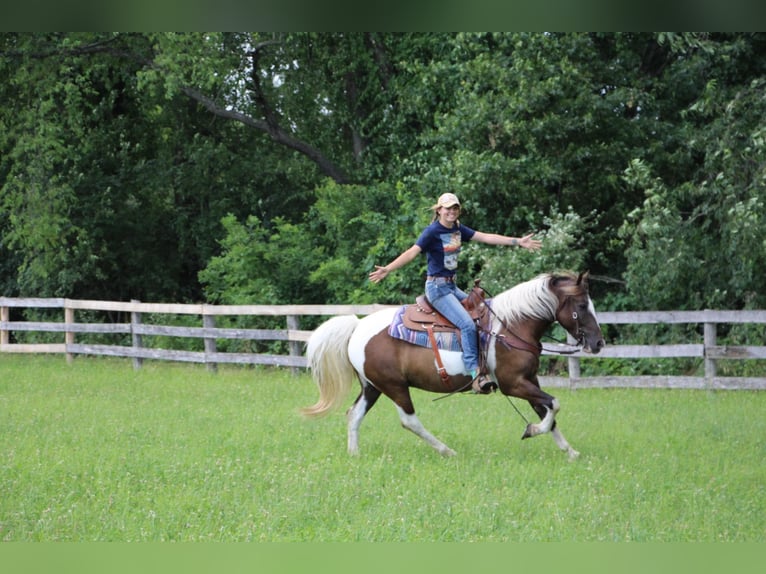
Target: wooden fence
{"type": "Point", "coordinates": [708, 350]}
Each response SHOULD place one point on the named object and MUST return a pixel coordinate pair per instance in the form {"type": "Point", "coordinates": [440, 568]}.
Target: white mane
{"type": "Point", "coordinates": [532, 299]}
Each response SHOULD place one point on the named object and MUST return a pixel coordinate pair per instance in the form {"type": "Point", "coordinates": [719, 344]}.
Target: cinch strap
{"type": "Point", "coordinates": [440, 366]}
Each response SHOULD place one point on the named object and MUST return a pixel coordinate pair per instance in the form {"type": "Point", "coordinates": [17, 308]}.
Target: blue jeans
{"type": "Point", "coordinates": [446, 297]}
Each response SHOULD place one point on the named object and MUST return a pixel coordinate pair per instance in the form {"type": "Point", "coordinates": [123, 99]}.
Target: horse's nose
{"type": "Point", "coordinates": [600, 344]}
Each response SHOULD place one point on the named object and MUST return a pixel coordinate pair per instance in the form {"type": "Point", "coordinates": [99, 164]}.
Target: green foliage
{"type": "Point", "coordinates": [501, 268]}
{"type": "Point", "coordinates": [661, 250]}
{"type": "Point", "coordinates": [699, 242]}
{"type": "Point", "coordinates": [122, 153]}
{"type": "Point", "coordinates": [364, 226]}
{"type": "Point", "coordinates": [261, 265]}
{"type": "Point", "coordinates": [129, 187]}
{"type": "Point", "coordinates": [530, 124]}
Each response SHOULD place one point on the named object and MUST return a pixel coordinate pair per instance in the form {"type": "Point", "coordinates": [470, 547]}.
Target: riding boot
{"type": "Point", "coordinates": [483, 385]}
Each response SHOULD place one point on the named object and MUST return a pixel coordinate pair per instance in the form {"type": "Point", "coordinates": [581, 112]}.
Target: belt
{"type": "Point", "coordinates": [440, 279]}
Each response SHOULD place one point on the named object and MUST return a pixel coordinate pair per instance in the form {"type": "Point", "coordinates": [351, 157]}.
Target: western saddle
{"type": "Point", "coordinates": [421, 316]}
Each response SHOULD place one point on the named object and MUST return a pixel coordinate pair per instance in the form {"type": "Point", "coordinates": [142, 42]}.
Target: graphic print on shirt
{"type": "Point", "coordinates": [451, 246]}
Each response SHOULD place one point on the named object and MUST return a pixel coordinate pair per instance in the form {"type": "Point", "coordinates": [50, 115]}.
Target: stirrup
{"type": "Point", "coordinates": [483, 385]}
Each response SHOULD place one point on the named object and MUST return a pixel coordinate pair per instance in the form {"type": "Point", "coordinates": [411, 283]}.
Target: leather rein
{"type": "Point", "coordinates": [514, 341]}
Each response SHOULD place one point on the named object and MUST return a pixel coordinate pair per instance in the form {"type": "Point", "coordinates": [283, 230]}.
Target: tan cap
{"type": "Point", "coordinates": [448, 200]}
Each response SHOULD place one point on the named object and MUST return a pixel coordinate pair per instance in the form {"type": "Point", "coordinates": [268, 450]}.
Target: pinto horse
{"type": "Point", "coordinates": [345, 347]}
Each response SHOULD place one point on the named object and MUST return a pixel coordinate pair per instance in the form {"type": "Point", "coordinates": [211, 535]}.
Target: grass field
{"type": "Point", "coordinates": [95, 451]}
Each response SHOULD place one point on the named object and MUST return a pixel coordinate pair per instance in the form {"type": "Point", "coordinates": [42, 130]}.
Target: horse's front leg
{"type": "Point", "coordinates": [548, 424]}
{"type": "Point", "coordinates": [526, 387]}
{"type": "Point", "coordinates": [548, 419]}
{"type": "Point", "coordinates": [562, 443]}
{"type": "Point", "coordinates": [516, 374]}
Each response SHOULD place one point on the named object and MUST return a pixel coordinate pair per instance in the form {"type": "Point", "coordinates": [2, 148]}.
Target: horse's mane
{"type": "Point", "coordinates": [532, 299]}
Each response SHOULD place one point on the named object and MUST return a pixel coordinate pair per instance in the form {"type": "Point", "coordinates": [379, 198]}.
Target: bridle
{"type": "Point", "coordinates": [514, 341]}
{"type": "Point", "coordinates": [579, 334]}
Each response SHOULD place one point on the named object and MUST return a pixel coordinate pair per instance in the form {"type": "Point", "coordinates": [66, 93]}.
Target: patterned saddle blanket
{"type": "Point", "coordinates": [445, 340]}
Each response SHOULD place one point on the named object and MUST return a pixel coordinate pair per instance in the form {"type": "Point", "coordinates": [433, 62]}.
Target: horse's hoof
{"type": "Point", "coordinates": [573, 455]}
{"type": "Point", "coordinates": [528, 432]}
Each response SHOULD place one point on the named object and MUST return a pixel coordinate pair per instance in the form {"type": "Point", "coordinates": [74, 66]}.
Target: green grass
{"type": "Point", "coordinates": [95, 451]}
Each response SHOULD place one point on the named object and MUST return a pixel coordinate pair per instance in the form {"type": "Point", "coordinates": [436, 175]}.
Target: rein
{"type": "Point", "coordinates": [524, 345]}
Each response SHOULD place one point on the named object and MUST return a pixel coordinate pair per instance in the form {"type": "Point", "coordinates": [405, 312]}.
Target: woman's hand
{"type": "Point", "coordinates": [528, 243]}
{"type": "Point", "coordinates": [379, 274]}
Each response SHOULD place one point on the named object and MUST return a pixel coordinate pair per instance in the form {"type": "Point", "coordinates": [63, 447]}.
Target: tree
{"type": "Point", "coordinates": [533, 124]}
{"type": "Point", "coordinates": [124, 158]}
{"type": "Point", "coordinates": [259, 265]}
{"type": "Point", "coordinates": [110, 189]}
{"type": "Point", "coordinates": [699, 242]}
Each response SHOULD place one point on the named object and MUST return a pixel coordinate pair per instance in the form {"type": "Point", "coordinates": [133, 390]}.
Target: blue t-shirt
{"type": "Point", "coordinates": [442, 246]}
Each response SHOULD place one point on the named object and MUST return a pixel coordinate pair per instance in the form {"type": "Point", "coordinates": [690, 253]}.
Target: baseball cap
{"type": "Point", "coordinates": [448, 200]}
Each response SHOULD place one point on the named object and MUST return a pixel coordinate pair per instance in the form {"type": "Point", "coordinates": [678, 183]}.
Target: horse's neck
{"type": "Point", "coordinates": [538, 327]}
{"type": "Point", "coordinates": [530, 329]}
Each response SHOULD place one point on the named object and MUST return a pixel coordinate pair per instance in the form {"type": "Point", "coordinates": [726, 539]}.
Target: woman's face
{"type": "Point", "coordinates": [448, 215]}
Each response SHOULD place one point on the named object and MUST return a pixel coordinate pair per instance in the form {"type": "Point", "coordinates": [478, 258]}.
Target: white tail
{"type": "Point", "coordinates": [327, 354]}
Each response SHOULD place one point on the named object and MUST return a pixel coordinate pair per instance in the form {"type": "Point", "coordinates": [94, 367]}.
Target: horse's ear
{"type": "Point", "coordinates": [583, 278]}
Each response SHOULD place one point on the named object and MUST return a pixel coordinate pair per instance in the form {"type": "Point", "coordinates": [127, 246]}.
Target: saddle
{"type": "Point", "coordinates": [421, 316]}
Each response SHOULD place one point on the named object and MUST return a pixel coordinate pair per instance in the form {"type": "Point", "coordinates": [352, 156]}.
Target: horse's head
{"type": "Point", "coordinates": [576, 312]}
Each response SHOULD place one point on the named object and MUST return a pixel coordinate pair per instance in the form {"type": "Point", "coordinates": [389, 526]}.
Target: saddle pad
{"type": "Point", "coordinates": [447, 341]}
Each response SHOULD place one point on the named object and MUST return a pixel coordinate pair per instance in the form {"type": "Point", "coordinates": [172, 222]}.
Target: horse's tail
{"type": "Point", "coordinates": [331, 369]}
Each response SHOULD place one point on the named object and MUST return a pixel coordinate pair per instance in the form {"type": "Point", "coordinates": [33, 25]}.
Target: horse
{"type": "Point", "coordinates": [345, 348]}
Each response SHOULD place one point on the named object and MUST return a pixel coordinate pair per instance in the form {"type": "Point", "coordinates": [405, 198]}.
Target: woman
{"type": "Point", "coordinates": [441, 242]}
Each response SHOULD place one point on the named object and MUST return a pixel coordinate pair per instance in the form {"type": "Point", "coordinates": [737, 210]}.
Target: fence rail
{"type": "Point", "coordinates": [709, 350]}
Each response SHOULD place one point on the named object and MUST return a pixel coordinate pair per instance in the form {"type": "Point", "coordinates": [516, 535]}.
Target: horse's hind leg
{"type": "Point", "coordinates": [412, 423]}
{"type": "Point", "coordinates": [364, 402]}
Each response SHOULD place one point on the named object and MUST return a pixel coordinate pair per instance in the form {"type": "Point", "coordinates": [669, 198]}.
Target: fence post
{"type": "Point", "coordinates": [68, 335]}
{"type": "Point", "coordinates": [208, 322]}
{"type": "Point", "coordinates": [573, 363]}
{"type": "Point", "coordinates": [293, 324]}
{"type": "Point", "coordinates": [710, 341]}
{"type": "Point", "coordinates": [5, 316]}
{"type": "Point", "coordinates": [135, 320]}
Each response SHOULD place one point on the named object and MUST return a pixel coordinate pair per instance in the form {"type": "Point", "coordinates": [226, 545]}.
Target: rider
{"type": "Point", "coordinates": [441, 242]}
